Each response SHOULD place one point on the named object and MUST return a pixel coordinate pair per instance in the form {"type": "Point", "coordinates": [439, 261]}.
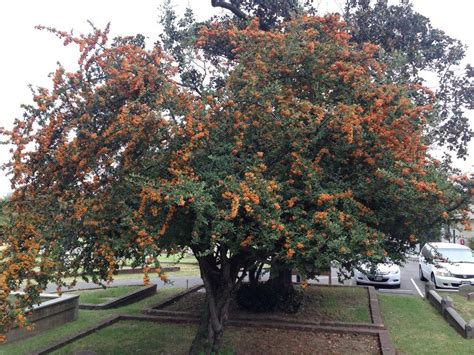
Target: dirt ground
{"type": "Point", "coordinates": [275, 341]}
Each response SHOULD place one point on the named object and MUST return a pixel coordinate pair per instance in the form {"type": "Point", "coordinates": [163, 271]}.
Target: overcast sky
{"type": "Point", "coordinates": [28, 55]}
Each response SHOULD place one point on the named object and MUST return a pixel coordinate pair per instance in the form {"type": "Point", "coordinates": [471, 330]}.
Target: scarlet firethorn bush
{"type": "Point", "coordinates": [297, 151]}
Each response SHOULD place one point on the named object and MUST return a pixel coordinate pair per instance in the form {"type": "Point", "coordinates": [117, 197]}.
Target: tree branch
{"type": "Point", "coordinates": [225, 5]}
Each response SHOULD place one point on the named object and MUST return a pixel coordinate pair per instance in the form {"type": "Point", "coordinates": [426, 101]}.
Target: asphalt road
{"type": "Point", "coordinates": [410, 282]}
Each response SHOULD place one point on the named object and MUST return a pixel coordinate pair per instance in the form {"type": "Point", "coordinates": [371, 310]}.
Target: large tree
{"type": "Point", "coordinates": [302, 152]}
{"type": "Point", "coordinates": [410, 48]}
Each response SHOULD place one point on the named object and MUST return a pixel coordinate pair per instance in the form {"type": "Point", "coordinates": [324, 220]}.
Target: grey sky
{"type": "Point", "coordinates": [28, 55]}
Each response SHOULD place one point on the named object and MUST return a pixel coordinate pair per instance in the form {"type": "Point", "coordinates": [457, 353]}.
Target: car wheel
{"type": "Point", "coordinates": [420, 273]}
{"type": "Point", "coordinates": [433, 280]}
{"type": "Point", "coordinates": [398, 286]}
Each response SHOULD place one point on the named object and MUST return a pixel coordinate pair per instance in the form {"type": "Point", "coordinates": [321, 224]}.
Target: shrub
{"type": "Point", "coordinates": [290, 301]}
{"type": "Point", "coordinates": [258, 297]}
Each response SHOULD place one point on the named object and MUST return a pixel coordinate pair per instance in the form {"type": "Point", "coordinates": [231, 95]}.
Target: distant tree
{"type": "Point", "coordinates": [304, 153]}
{"type": "Point", "coordinates": [270, 13]}
{"type": "Point", "coordinates": [415, 51]}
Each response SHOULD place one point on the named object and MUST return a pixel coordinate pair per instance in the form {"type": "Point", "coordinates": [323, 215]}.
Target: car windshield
{"type": "Point", "coordinates": [456, 255]}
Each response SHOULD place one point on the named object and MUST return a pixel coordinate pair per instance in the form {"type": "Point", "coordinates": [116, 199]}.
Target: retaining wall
{"type": "Point", "coordinates": [444, 305]}
{"type": "Point", "coordinates": [55, 311]}
{"type": "Point", "coordinates": [129, 298]}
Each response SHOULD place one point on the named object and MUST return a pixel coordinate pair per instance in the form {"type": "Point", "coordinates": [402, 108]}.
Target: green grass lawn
{"type": "Point", "coordinates": [185, 270]}
{"type": "Point", "coordinates": [464, 307]}
{"type": "Point", "coordinates": [345, 304]}
{"type": "Point", "coordinates": [135, 338]}
{"type": "Point", "coordinates": [86, 319]}
{"type": "Point", "coordinates": [104, 295]}
{"type": "Point", "coordinates": [349, 304]}
{"type": "Point", "coordinates": [417, 328]}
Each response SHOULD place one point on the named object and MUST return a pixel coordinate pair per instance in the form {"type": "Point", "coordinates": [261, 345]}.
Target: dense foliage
{"type": "Point", "coordinates": [415, 51]}
{"type": "Point", "coordinates": [4, 217]}
{"type": "Point", "coordinates": [296, 150]}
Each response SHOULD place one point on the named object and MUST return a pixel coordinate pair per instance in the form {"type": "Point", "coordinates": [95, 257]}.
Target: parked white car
{"type": "Point", "coordinates": [387, 274]}
{"type": "Point", "coordinates": [447, 265]}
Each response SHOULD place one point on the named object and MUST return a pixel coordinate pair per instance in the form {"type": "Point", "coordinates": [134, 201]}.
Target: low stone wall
{"type": "Point", "coordinates": [444, 305]}
{"type": "Point", "coordinates": [129, 298]}
{"type": "Point", "coordinates": [55, 311]}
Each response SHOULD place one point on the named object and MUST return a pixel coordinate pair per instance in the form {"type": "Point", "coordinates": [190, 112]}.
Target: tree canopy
{"type": "Point", "coordinates": [415, 51]}
{"type": "Point", "coordinates": [296, 149]}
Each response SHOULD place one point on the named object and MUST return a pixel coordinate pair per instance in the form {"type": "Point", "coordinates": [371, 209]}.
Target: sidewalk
{"type": "Point", "coordinates": [182, 282]}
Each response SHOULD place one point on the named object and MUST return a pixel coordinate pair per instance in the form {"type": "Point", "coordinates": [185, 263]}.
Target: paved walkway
{"type": "Point", "coordinates": [182, 282]}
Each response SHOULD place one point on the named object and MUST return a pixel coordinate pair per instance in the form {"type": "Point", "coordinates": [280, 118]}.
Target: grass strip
{"type": "Point", "coordinates": [417, 328]}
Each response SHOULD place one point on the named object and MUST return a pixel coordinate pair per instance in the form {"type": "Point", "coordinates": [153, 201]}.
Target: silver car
{"type": "Point", "coordinates": [447, 265]}
{"type": "Point", "coordinates": [387, 274]}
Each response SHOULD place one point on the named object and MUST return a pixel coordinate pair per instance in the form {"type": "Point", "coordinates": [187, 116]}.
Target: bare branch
{"type": "Point", "coordinates": [235, 10]}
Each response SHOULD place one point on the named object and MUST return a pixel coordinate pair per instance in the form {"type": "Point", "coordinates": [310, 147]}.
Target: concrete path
{"type": "Point", "coordinates": [182, 282]}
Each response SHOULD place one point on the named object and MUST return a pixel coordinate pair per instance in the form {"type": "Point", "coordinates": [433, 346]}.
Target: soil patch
{"type": "Point", "coordinates": [274, 341]}
{"type": "Point", "coordinates": [345, 304]}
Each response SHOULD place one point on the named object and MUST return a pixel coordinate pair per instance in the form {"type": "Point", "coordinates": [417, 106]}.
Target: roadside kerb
{"type": "Point", "coordinates": [444, 305]}
{"type": "Point", "coordinates": [129, 298]}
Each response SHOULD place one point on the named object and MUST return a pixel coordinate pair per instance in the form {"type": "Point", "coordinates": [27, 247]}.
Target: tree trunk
{"type": "Point", "coordinates": [288, 299]}
{"type": "Point", "coordinates": [280, 278]}
{"type": "Point", "coordinates": [208, 339]}
{"type": "Point", "coordinates": [254, 274]}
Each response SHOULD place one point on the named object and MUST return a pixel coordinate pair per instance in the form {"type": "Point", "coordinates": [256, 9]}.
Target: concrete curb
{"type": "Point", "coordinates": [172, 298]}
{"type": "Point", "coordinates": [71, 338]}
{"type": "Point", "coordinates": [374, 306]}
{"type": "Point", "coordinates": [381, 334]}
{"type": "Point", "coordinates": [129, 298]}
{"type": "Point", "coordinates": [265, 318]}
{"type": "Point", "coordinates": [444, 305]}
